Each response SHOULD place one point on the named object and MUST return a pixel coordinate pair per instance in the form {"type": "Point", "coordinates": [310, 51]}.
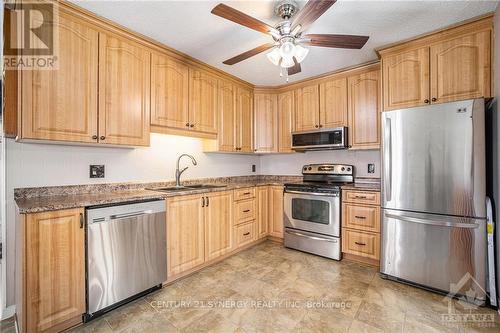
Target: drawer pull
{"type": "Point", "coordinates": [360, 197]}
{"type": "Point", "coordinates": [246, 233]}
{"type": "Point", "coordinates": [246, 210]}
{"type": "Point", "coordinates": [246, 193]}
{"type": "Point", "coordinates": [358, 243]}
{"type": "Point", "coordinates": [360, 217]}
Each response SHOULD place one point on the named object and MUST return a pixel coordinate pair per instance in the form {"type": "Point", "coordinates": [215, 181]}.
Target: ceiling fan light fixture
{"type": "Point", "coordinates": [287, 50]}
{"type": "Point", "coordinates": [287, 62]}
{"type": "Point", "coordinates": [274, 56]}
{"type": "Point", "coordinates": [300, 53]}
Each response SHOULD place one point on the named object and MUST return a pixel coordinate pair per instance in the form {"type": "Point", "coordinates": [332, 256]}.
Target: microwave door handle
{"type": "Point", "coordinates": [388, 159]}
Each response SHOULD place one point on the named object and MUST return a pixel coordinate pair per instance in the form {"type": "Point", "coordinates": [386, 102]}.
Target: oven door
{"type": "Point", "coordinates": [314, 212]}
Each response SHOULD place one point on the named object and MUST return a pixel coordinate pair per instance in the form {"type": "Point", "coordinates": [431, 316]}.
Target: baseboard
{"type": "Point", "coordinates": [8, 312]}
{"type": "Point", "coordinates": [275, 239]}
{"type": "Point", "coordinates": [363, 260]}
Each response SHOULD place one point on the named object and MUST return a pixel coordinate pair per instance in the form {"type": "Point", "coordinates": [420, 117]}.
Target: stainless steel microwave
{"type": "Point", "coordinates": [333, 138]}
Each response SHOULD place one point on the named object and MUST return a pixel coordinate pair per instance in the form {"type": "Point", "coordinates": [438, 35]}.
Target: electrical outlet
{"type": "Point", "coordinates": [371, 168]}
{"type": "Point", "coordinates": [253, 167]}
{"type": "Point", "coordinates": [96, 171]}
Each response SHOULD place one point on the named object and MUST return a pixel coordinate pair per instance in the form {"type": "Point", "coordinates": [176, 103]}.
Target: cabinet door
{"type": "Point", "coordinates": [266, 123]}
{"type": "Point", "coordinates": [406, 79]}
{"type": "Point", "coordinates": [202, 101]}
{"type": "Point", "coordinates": [61, 104]}
{"type": "Point", "coordinates": [54, 269]}
{"type": "Point", "coordinates": [218, 224]}
{"type": "Point", "coordinates": [286, 114]}
{"type": "Point", "coordinates": [364, 108]}
{"type": "Point", "coordinates": [169, 92]}
{"type": "Point", "coordinates": [333, 103]}
{"type": "Point", "coordinates": [461, 68]}
{"type": "Point", "coordinates": [276, 211]}
{"type": "Point", "coordinates": [262, 211]}
{"type": "Point", "coordinates": [124, 93]}
{"type": "Point", "coordinates": [226, 135]}
{"type": "Point", "coordinates": [244, 120]}
{"type": "Point", "coordinates": [185, 234]}
{"type": "Point", "coordinates": [307, 108]}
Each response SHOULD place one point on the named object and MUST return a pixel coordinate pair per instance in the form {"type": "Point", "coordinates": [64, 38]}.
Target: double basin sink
{"type": "Point", "coordinates": [186, 188]}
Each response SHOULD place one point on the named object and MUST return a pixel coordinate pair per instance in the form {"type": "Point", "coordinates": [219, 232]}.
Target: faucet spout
{"type": "Point", "coordinates": [179, 172]}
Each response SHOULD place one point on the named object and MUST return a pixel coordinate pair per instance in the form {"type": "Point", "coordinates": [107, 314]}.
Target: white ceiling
{"type": "Point", "coordinates": [189, 27]}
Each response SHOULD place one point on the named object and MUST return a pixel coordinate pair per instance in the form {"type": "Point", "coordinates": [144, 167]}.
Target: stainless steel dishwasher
{"type": "Point", "coordinates": [126, 253]}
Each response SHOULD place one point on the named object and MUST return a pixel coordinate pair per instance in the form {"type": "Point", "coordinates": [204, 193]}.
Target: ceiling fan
{"type": "Point", "coordinates": [288, 49]}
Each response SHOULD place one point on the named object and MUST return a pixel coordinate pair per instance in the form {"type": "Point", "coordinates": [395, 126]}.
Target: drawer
{"type": "Point", "coordinates": [361, 217]}
{"type": "Point", "coordinates": [363, 244]}
{"type": "Point", "coordinates": [244, 211]}
{"type": "Point", "coordinates": [362, 197]}
{"type": "Point", "coordinates": [244, 233]}
{"type": "Point", "coordinates": [244, 193]}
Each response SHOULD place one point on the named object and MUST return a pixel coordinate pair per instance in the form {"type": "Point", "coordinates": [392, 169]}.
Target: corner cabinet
{"type": "Point", "coordinates": [124, 93]}
{"type": "Point", "coordinates": [450, 65]}
{"type": "Point", "coordinates": [266, 123]}
{"type": "Point", "coordinates": [52, 271]}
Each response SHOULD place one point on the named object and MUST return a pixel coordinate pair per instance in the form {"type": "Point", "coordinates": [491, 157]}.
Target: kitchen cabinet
{"type": "Point", "coordinates": [307, 108]}
{"type": "Point", "coordinates": [202, 101]}
{"type": "Point", "coordinates": [185, 233]}
{"type": "Point", "coordinates": [226, 136]}
{"type": "Point", "coordinates": [364, 109]}
{"type": "Point", "coordinates": [262, 211]}
{"type": "Point", "coordinates": [218, 226]}
{"type": "Point", "coordinates": [124, 91]}
{"type": "Point", "coordinates": [61, 105]}
{"type": "Point", "coordinates": [169, 92]}
{"type": "Point", "coordinates": [286, 115]}
{"type": "Point", "coordinates": [333, 103]}
{"type": "Point", "coordinates": [266, 123]}
{"type": "Point", "coordinates": [276, 211]}
{"type": "Point", "coordinates": [449, 65]}
{"type": "Point", "coordinates": [244, 120]}
{"type": "Point", "coordinates": [52, 271]}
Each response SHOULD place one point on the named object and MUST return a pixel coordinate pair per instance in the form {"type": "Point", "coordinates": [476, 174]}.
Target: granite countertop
{"type": "Point", "coordinates": [54, 198]}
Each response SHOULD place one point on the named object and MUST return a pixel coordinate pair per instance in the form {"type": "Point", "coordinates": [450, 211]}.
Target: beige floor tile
{"type": "Point", "coordinates": [360, 327]}
{"type": "Point", "coordinates": [212, 322]}
{"type": "Point", "coordinates": [129, 314]}
{"type": "Point", "coordinates": [99, 325]}
{"type": "Point", "coordinates": [389, 319]}
{"type": "Point", "coordinates": [323, 321]}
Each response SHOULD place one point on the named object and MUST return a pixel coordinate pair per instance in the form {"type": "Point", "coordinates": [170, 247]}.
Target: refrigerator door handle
{"type": "Point", "coordinates": [432, 221]}
{"type": "Point", "coordinates": [387, 159]}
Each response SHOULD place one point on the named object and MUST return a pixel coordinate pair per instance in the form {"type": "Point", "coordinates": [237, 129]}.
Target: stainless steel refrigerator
{"type": "Point", "coordinates": [434, 196]}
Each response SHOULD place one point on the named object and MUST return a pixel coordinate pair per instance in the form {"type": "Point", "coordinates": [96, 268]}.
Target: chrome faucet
{"type": "Point", "coordinates": [178, 172]}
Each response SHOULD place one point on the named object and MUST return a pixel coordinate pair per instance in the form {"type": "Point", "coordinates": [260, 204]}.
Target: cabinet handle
{"type": "Point", "coordinates": [320, 126]}
{"type": "Point", "coordinates": [360, 197]}
{"type": "Point", "coordinates": [316, 126]}
{"type": "Point", "coordinates": [246, 234]}
{"type": "Point", "coordinates": [358, 243]}
{"type": "Point", "coordinates": [202, 201]}
{"type": "Point", "coordinates": [360, 217]}
{"type": "Point", "coordinates": [81, 220]}
{"type": "Point", "coordinates": [187, 124]}
{"type": "Point", "coordinates": [102, 137]}
{"type": "Point", "coordinates": [426, 101]}
{"type": "Point", "coordinates": [246, 210]}
{"type": "Point", "coordinates": [246, 193]}
{"type": "Point", "coordinates": [208, 201]}
{"type": "Point", "coordinates": [94, 137]}
{"type": "Point", "coordinates": [191, 125]}
{"type": "Point", "coordinates": [434, 99]}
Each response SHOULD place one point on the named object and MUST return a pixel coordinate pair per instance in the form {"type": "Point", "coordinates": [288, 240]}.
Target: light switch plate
{"type": "Point", "coordinates": [97, 171]}
{"type": "Point", "coordinates": [371, 168]}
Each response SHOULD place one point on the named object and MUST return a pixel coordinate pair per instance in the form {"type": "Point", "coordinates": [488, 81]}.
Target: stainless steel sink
{"type": "Point", "coordinates": [186, 188]}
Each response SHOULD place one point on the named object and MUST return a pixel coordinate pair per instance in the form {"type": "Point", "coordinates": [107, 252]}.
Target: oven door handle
{"type": "Point", "coordinates": [310, 237]}
{"type": "Point", "coordinates": [313, 193]}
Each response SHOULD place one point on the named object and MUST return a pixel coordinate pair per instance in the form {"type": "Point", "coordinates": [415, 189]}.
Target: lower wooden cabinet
{"type": "Point", "coordinates": [262, 211]}
{"type": "Point", "coordinates": [245, 233]}
{"type": "Point", "coordinates": [276, 211]}
{"type": "Point", "coordinates": [53, 271]}
{"type": "Point", "coordinates": [218, 217]}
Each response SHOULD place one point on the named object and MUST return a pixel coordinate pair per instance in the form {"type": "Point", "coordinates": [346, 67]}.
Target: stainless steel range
{"type": "Point", "coordinates": [312, 209]}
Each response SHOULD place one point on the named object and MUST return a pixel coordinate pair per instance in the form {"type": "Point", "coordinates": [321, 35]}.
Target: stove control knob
{"type": "Point", "coordinates": [309, 168]}
{"type": "Point", "coordinates": [343, 169]}
{"type": "Point", "coordinates": [305, 168]}
{"type": "Point", "coordinates": [348, 169]}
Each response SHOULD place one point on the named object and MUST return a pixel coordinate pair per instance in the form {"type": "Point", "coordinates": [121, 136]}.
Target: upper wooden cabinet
{"type": "Point", "coordinates": [266, 123]}
{"type": "Point", "coordinates": [286, 113]}
{"type": "Point", "coordinates": [364, 109]}
{"type": "Point", "coordinates": [53, 271]}
{"type": "Point", "coordinates": [450, 65]}
{"type": "Point", "coordinates": [202, 101]}
{"type": "Point", "coordinates": [169, 92]}
{"type": "Point", "coordinates": [124, 91]}
{"type": "Point", "coordinates": [333, 103]}
{"type": "Point", "coordinates": [61, 105]}
{"type": "Point", "coordinates": [227, 117]}
{"type": "Point", "coordinates": [244, 120]}
{"type": "Point", "coordinates": [307, 108]}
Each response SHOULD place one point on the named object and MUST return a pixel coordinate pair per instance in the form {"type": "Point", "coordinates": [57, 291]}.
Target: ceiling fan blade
{"type": "Point", "coordinates": [248, 54]}
{"type": "Point", "coordinates": [337, 41]}
{"type": "Point", "coordinates": [310, 13]}
{"type": "Point", "coordinates": [236, 16]}
{"type": "Point", "coordinates": [295, 68]}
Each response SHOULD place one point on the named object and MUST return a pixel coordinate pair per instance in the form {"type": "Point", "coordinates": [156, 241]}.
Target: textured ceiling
{"type": "Point", "coordinates": [189, 27]}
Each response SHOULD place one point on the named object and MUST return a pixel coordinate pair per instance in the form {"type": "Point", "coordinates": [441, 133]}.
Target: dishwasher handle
{"type": "Point", "coordinates": [129, 215]}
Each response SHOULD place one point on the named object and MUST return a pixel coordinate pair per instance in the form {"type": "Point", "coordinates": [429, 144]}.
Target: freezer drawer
{"type": "Point", "coordinates": [434, 250]}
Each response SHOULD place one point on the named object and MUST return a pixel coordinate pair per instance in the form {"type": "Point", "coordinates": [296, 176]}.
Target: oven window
{"type": "Point", "coordinates": [316, 211]}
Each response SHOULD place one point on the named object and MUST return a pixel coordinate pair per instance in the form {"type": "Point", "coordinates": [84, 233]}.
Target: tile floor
{"type": "Point", "coordinates": [272, 289]}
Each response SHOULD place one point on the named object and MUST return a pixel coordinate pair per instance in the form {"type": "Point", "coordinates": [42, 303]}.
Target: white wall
{"type": "Point", "coordinates": [292, 164]}
{"type": "Point", "coordinates": [30, 165]}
